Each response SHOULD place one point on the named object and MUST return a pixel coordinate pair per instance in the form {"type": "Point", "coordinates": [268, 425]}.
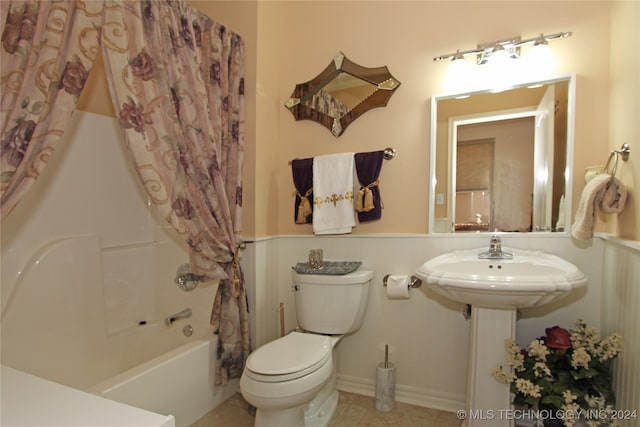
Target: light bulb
{"type": "Point", "coordinates": [539, 62]}
{"type": "Point", "coordinates": [459, 75]}
{"type": "Point", "coordinates": [499, 72]}
{"type": "Point", "coordinates": [499, 57]}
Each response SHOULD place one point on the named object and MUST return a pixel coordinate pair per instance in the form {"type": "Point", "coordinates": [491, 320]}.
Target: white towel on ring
{"type": "Point", "coordinates": [600, 192]}
{"type": "Point", "coordinates": [333, 211]}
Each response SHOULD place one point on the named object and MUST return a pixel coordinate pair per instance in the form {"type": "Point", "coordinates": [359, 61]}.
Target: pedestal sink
{"type": "Point", "coordinates": [496, 287]}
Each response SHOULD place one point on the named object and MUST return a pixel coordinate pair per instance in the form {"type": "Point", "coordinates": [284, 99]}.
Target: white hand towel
{"type": "Point", "coordinates": [597, 193]}
{"type": "Point", "coordinates": [333, 211]}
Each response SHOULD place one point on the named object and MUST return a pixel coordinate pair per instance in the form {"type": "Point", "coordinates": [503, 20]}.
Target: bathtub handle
{"type": "Point", "coordinates": [184, 314]}
{"type": "Point", "coordinates": [185, 279]}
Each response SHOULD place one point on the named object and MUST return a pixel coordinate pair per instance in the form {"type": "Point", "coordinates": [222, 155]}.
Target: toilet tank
{"type": "Point", "coordinates": [331, 304]}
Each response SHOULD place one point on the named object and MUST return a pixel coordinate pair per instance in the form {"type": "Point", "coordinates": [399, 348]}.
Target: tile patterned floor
{"type": "Point", "coordinates": [353, 411]}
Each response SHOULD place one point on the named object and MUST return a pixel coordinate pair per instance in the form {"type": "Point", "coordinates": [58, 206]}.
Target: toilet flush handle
{"type": "Point", "coordinates": [295, 288]}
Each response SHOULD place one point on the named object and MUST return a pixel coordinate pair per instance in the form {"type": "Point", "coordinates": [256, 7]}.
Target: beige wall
{"type": "Point", "coordinates": [406, 36]}
{"type": "Point", "coordinates": [292, 41]}
{"type": "Point", "coordinates": [624, 112]}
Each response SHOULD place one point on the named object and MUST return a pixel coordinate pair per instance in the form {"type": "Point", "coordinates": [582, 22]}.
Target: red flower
{"type": "Point", "coordinates": [557, 337]}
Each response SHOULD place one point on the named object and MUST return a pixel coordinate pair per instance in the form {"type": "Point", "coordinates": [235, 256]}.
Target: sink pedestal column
{"type": "Point", "coordinates": [488, 400]}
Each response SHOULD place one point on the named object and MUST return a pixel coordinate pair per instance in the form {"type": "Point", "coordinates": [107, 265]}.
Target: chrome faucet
{"type": "Point", "coordinates": [184, 314]}
{"type": "Point", "coordinates": [495, 250]}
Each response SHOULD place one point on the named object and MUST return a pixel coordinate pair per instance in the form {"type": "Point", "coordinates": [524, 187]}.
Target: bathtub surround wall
{"type": "Point", "coordinates": [87, 270]}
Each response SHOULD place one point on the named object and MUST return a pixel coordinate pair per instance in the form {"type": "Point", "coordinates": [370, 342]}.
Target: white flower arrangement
{"type": "Point", "coordinates": [565, 372]}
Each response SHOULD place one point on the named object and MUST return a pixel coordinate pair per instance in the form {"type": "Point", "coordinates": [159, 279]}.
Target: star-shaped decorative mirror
{"type": "Point", "coordinates": [341, 93]}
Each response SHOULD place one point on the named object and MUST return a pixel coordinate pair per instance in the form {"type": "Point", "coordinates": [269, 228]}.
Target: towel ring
{"type": "Point", "coordinates": [617, 154]}
{"type": "Point", "coordinates": [614, 154]}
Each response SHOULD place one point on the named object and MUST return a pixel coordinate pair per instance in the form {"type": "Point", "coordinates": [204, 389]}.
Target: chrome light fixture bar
{"type": "Point", "coordinates": [511, 46]}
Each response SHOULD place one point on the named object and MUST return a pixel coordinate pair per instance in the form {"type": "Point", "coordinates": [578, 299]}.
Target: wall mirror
{"type": "Point", "coordinates": [341, 93]}
{"type": "Point", "coordinates": [500, 161]}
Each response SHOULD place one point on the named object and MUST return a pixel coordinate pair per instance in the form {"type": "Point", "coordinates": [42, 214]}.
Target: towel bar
{"type": "Point", "coordinates": [389, 153]}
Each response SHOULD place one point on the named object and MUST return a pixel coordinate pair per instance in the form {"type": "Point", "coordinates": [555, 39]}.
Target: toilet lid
{"type": "Point", "coordinates": [292, 353]}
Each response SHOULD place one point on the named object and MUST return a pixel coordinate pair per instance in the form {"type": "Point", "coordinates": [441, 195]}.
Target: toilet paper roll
{"type": "Point", "coordinates": [398, 287]}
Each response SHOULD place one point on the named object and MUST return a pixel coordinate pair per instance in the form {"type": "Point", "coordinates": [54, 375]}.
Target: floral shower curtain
{"type": "Point", "coordinates": [176, 81]}
{"type": "Point", "coordinates": [177, 85]}
{"type": "Point", "coordinates": [47, 52]}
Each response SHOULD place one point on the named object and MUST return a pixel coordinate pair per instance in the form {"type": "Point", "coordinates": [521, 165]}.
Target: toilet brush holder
{"type": "Point", "coordinates": [385, 384]}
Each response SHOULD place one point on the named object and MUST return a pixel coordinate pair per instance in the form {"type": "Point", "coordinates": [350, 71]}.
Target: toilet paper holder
{"type": "Point", "coordinates": [414, 282]}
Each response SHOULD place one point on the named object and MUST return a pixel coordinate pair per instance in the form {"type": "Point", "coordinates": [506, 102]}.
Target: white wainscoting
{"type": "Point", "coordinates": [427, 334]}
{"type": "Point", "coordinates": [621, 313]}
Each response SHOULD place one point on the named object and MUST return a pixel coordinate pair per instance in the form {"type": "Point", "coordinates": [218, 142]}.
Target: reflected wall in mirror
{"type": "Point", "coordinates": [341, 93]}
{"type": "Point", "coordinates": [501, 161]}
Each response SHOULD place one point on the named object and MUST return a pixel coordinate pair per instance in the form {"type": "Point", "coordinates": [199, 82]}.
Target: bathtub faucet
{"type": "Point", "coordinates": [184, 314]}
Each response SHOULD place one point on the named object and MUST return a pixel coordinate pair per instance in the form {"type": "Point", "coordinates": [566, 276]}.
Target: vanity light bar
{"type": "Point", "coordinates": [512, 45]}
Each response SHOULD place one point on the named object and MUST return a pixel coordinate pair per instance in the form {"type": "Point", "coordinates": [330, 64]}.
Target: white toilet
{"type": "Point", "coordinates": [291, 381]}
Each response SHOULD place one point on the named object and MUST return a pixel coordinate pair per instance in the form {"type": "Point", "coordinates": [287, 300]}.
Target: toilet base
{"type": "Point", "coordinates": [319, 411]}
{"type": "Point", "coordinates": [280, 417]}
{"type": "Point", "coordinates": [322, 414]}
{"type": "Point", "coordinates": [316, 413]}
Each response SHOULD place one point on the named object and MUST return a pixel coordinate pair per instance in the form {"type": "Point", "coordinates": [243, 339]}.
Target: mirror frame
{"type": "Point", "coordinates": [568, 171]}
{"type": "Point", "coordinates": [380, 77]}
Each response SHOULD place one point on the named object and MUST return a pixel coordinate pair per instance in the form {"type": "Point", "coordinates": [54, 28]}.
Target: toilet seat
{"type": "Point", "coordinates": [288, 358]}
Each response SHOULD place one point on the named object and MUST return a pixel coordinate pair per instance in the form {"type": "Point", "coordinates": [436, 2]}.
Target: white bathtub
{"type": "Point", "coordinates": [178, 383]}
{"type": "Point", "coordinates": [30, 401]}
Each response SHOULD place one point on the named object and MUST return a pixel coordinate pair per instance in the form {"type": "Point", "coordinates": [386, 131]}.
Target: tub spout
{"type": "Point", "coordinates": [184, 314]}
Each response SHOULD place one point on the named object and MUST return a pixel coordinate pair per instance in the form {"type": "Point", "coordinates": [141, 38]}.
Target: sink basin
{"type": "Point", "coordinates": [530, 278]}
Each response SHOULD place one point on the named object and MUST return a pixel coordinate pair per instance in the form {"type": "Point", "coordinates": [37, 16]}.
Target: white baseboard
{"type": "Point", "coordinates": [418, 396]}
